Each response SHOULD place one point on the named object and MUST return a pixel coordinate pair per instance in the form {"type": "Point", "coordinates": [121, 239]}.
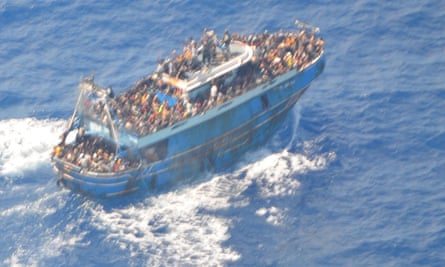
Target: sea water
{"type": "Point", "coordinates": [355, 177]}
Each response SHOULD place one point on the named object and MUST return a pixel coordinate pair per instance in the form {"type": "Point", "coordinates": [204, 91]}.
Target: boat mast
{"type": "Point", "coordinates": [114, 133]}
{"type": "Point", "coordinates": [76, 109]}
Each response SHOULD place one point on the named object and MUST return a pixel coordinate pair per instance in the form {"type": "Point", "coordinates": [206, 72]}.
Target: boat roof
{"type": "Point", "coordinates": [241, 53]}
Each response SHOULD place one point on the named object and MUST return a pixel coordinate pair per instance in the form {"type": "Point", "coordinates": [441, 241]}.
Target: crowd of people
{"type": "Point", "coordinates": [153, 104]}
{"type": "Point", "coordinates": [92, 153]}
{"type": "Point", "coordinates": [141, 111]}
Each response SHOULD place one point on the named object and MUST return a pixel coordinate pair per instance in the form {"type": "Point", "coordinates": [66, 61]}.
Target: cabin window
{"type": "Point", "coordinates": [155, 152]}
{"type": "Point", "coordinates": [264, 101]}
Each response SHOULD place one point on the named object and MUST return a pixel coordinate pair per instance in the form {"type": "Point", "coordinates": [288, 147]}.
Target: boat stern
{"type": "Point", "coordinates": [95, 184]}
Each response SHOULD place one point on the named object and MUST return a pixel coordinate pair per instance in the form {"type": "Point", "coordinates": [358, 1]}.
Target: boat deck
{"type": "Point", "coordinates": [145, 108]}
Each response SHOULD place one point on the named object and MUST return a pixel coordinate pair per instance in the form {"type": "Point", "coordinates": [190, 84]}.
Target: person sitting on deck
{"type": "Point", "coordinates": [164, 109]}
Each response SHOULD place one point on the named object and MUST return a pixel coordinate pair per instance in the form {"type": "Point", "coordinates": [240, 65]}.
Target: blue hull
{"type": "Point", "coordinates": [212, 141]}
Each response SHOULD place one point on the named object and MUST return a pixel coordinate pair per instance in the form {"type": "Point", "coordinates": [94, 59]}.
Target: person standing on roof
{"type": "Point", "coordinates": [226, 40]}
{"type": "Point", "coordinates": [206, 52]}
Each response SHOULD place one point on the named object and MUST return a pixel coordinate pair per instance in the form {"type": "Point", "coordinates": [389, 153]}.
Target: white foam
{"type": "Point", "coordinates": [171, 226]}
{"type": "Point", "coordinates": [27, 143]}
{"type": "Point", "coordinates": [50, 245]}
{"type": "Point", "coordinates": [50, 248]}
{"type": "Point", "coordinates": [40, 239]}
{"type": "Point", "coordinates": [14, 260]}
{"type": "Point", "coordinates": [183, 226]}
{"type": "Point", "coordinates": [37, 207]}
{"type": "Point", "coordinates": [273, 215]}
{"type": "Point", "coordinates": [295, 115]}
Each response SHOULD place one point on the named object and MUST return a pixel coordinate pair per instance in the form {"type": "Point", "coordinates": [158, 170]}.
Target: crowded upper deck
{"type": "Point", "coordinates": [156, 102]}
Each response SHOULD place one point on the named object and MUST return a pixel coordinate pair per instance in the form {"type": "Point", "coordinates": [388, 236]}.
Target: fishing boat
{"type": "Point", "coordinates": [199, 111]}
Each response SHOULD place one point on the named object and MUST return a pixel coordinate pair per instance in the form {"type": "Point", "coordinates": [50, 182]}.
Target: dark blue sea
{"type": "Point", "coordinates": [355, 177]}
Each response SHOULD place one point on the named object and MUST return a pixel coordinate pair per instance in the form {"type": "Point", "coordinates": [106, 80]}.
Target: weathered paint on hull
{"type": "Point", "coordinates": [71, 176]}
{"type": "Point", "coordinates": [228, 149]}
{"type": "Point", "coordinates": [215, 144]}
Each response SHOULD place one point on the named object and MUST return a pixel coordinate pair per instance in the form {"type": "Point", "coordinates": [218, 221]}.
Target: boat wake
{"type": "Point", "coordinates": [26, 143]}
{"type": "Point", "coordinates": [186, 226]}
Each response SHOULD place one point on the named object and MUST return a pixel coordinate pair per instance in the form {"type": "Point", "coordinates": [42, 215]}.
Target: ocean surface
{"type": "Point", "coordinates": [355, 177]}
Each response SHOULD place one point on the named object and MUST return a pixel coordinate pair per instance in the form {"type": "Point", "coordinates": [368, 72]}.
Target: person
{"type": "Point", "coordinates": [212, 53]}
{"type": "Point", "coordinates": [63, 138]}
{"type": "Point", "coordinates": [57, 152]}
{"type": "Point", "coordinates": [110, 92]}
{"type": "Point", "coordinates": [159, 67]}
{"type": "Point", "coordinates": [226, 39]}
{"type": "Point", "coordinates": [80, 136]}
{"type": "Point", "coordinates": [206, 53]}
{"type": "Point", "coordinates": [226, 43]}
{"type": "Point", "coordinates": [84, 161]}
{"type": "Point", "coordinates": [213, 92]}
{"type": "Point", "coordinates": [165, 113]}
{"type": "Point", "coordinates": [118, 166]}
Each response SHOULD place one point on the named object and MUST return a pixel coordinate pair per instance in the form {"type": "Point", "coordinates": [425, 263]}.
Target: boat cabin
{"type": "Point", "coordinates": [199, 81]}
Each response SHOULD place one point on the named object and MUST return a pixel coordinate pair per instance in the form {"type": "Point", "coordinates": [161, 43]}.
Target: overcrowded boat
{"type": "Point", "coordinates": [200, 110]}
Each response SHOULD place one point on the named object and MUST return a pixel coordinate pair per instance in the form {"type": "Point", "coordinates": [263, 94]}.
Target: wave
{"type": "Point", "coordinates": [184, 227]}
{"type": "Point", "coordinates": [41, 229]}
{"type": "Point", "coordinates": [26, 143]}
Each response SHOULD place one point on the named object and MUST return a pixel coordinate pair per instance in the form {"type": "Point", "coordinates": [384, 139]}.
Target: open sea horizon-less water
{"type": "Point", "coordinates": [355, 177]}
